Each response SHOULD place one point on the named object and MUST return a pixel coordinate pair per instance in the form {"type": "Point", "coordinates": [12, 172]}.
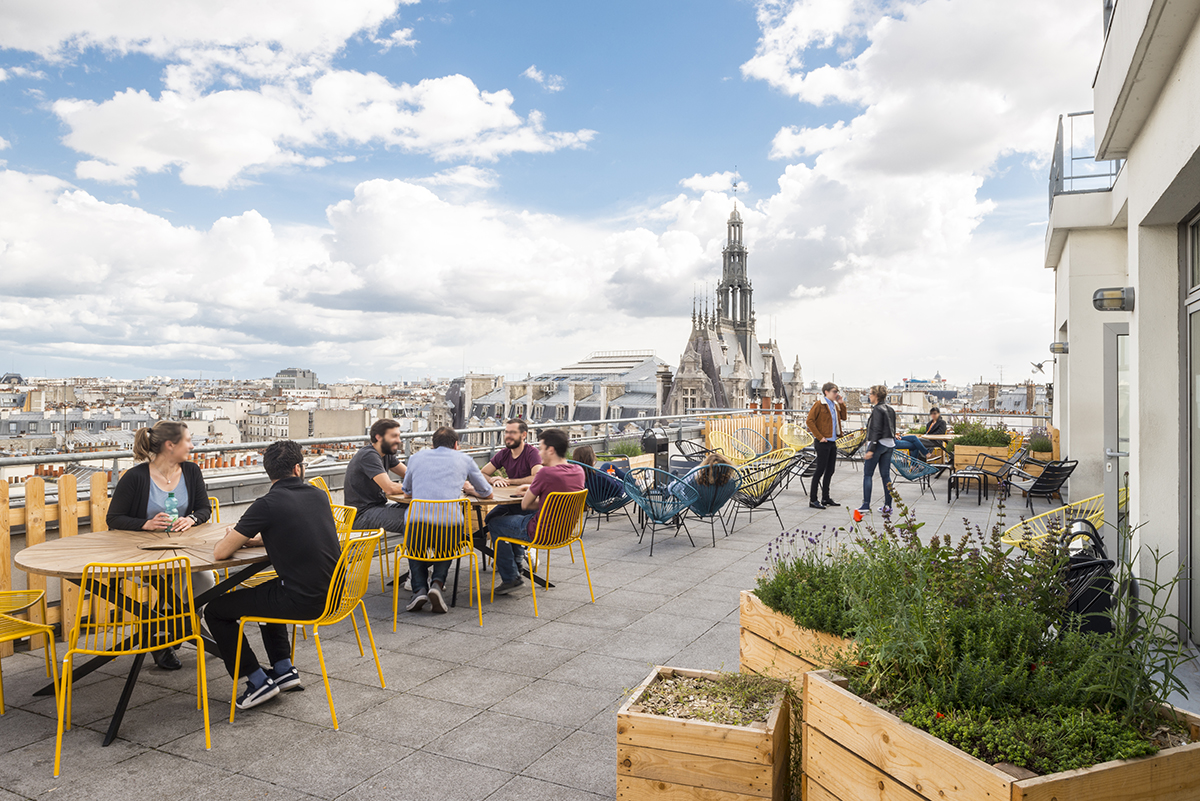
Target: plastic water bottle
{"type": "Point", "coordinates": [172, 510]}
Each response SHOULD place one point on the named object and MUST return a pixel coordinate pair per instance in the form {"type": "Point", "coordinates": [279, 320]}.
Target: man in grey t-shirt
{"type": "Point", "coordinates": [368, 483]}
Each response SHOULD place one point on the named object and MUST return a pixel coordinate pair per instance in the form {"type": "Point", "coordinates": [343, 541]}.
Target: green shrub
{"type": "Point", "coordinates": [972, 641]}
{"type": "Point", "coordinates": [1040, 444]}
{"type": "Point", "coordinates": [980, 435]}
{"type": "Point", "coordinates": [626, 448]}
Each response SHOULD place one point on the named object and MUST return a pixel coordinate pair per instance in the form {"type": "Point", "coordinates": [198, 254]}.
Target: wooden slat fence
{"type": "Point", "coordinates": [766, 423]}
{"type": "Point", "coordinates": [36, 513]}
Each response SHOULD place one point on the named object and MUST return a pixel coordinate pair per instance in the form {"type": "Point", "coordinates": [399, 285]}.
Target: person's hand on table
{"type": "Point", "coordinates": [182, 524]}
{"type": "Point", "coordinates": [159, 522]}
{"type": "Point", "coordinates": [498, 481]}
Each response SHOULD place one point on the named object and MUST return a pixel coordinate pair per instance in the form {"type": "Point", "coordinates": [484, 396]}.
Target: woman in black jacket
{"type": "Point", "coordinates": [881, 440]}
{"type": "Point", "coordinates": [139, 502]}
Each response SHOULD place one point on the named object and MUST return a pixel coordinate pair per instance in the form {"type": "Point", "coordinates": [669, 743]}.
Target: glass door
{"type": "Point", "coordinates": [1116, 434]}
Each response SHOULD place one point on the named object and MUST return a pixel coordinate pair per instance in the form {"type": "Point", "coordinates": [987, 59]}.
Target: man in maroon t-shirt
{"type": "Point", "coordinates": [556, 475]}
{"type": "Point", "coordinates": [519, 461]}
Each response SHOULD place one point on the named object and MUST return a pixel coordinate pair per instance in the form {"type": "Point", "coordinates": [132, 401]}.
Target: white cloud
{"type": "Point", "coordinates": [253, 88]}
{"type": "Point", "coordinates": [399, 38]}
{"type": "Point", "coordinates": [463, 175]}
{"type": "Point", "coordinates": [716, 182]}
{"type": "Point", "coordinates": [551, 83]}
{"type": "Point", "coordinates": [4, 143]}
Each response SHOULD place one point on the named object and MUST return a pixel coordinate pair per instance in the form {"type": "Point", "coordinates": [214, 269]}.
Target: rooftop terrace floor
{"type": "Point", "coordinates": [522, 708]}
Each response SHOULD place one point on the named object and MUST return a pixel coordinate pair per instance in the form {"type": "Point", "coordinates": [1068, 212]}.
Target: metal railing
{"type": "Point", "coordinates": [1074, 168]}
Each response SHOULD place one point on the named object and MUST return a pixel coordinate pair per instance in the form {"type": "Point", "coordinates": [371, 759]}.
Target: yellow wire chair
{"type": "Point", "coordinates": [319, 483]}
{"type": "Point", "coordinates": [437, 531]}
{"type": "Point", "coordinates": [559, 524]}
{"type": "Point", "coordinates": [346, 590]}
{"type": "Point", "coordinates": [144, 627]}
{"type": "Point", "coordinates": [1034, 531]}
{"type": "Point", "coordinates": [343, 521]}
{"type": "Point", "coordinates": [849, 443]}
{"type": "Point", "coordinates": [730, 447]}
{"type": "Point", "coordinates": [14, 628]}
{"type": "Point", "coordinates": [795, 435]}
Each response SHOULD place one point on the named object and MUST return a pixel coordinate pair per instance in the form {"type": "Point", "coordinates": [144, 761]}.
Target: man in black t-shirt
{"type": "Point", "coordinates": [367, 483]}
{"type": "Point", "coordinates": [294, 522]}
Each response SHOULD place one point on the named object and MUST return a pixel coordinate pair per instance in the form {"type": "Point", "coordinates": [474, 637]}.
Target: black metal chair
{"type": "Point", "coordinates": [692, 450]}
{"type": "Point", "coordinates": [1046, 485]}
{"type": "Point", "coordinates": [983, 470]}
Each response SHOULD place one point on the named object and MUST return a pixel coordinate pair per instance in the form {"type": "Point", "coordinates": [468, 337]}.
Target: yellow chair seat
{"type": "Point", "coordinates": [559, 525]}
{"type": "Point", "coordinates": [437, 531]}
{"type": "Point", "coordinates": [13, 628]}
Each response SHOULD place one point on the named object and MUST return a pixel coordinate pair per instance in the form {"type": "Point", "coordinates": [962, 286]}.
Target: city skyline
{"type": "Point", "coordinates": [389, 190]}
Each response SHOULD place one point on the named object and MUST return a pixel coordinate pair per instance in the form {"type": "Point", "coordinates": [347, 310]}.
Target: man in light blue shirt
{"type": "Point", "coordinates": [438, 474]}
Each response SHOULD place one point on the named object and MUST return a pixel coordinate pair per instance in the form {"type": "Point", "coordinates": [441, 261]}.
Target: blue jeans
{"type": "Point", "coordinates": [882, 459]}
{"type": "Point", "coordinates": [516, 527]}
{"type": "Point", "coordinates": [912, 443]}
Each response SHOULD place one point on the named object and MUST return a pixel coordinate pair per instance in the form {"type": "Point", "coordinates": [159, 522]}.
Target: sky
{"type": "Point", "coordinates": [395, 189]}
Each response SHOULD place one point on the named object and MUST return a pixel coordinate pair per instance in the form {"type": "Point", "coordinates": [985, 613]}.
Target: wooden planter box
{"type": "Point", "coordinates": [855, 750]}
{"type": "Point", "coordinates": [773, 645]}
{"type": "Point", "coordinates": [673, 758]}
{"type": "Point", "coordinates": [964, 456]}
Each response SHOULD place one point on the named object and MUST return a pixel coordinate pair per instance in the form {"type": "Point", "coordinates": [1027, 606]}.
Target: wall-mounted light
{"type": "Point", "coordinates": [1058, 348]}
{"type": "Point", "coordinates": [1113, 298]}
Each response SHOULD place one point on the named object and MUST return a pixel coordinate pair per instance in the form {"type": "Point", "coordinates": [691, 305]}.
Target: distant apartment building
{"type": "Point", "coordinates": [267, 425]}
{"type": "Point", "coordinates": [93, 421]}
{"type": "Point", "coordinates": [294, 378]}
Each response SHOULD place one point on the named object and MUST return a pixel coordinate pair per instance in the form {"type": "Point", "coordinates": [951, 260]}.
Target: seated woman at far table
{"type": "Point", "coordinates": [912, 442]}
{"type": "Point", "coordinates": [142, 496]}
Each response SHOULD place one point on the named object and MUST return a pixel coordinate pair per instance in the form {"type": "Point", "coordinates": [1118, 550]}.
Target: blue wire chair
{"type": "Point", "coordinates": [662, 498]}
{"type": "Point", "coordinates": [605, 494]}
{"type": "Point", "coordinates": [914, 470]}
{"type": "Point", "coordinates": [723, 482]}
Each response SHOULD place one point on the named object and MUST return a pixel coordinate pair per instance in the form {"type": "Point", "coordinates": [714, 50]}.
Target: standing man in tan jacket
{"type": "Point", "coordinates": [824, 422]}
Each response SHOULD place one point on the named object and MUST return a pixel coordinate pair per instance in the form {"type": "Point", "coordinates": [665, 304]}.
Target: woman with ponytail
{"type": "Point", "coordinates": [139, 502]}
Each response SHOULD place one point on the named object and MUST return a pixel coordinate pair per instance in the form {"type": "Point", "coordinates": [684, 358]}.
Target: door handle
{"type": "Point", "coordinates": [1111, 454]}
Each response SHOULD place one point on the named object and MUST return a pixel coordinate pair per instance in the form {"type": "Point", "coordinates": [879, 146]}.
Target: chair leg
{"type": "Point", "coordinates": [325, 676]}
{"type": "Point", "coordinates": [777, 516]}
{"type": "Point", "coordinates": [383, 563]}
{"type": "Point", "coordinates": [237, 668]}
{"type": "Point", "coordinates": [683, 523]}
{"type": "Point", "coordinates": [396, 591]}
{"type": "Point", "coordinates": [64, 711]}
{"type": "Point", "coordinates": [532, 583]}
{"type": "Point", "coordinates": [371, 639]}
{"type": "Point", "coordinates": [583, 553]}
{"type": "Point", "coordinates": [357, 636]}
{"type": "Point", "coordinates": [478, 588]}
{"type": "Point", "coordinates": [202, 686]}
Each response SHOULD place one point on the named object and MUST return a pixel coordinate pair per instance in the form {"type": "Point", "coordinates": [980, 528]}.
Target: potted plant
{"type": "Point", "coordinates": [702, 734]}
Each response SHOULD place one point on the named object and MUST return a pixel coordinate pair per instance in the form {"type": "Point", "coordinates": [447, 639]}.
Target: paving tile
{"type": "Point", "coordinates": [557, 702]}
{"type": "Point", "coordinates": [492, 739]}
{"type": "Point", "coordinates": [674, 627]}
{"type": "Point", "coordinates": [471, 685]}
{"type": "Point", "coordinates": [524, 658]}
{"type": "Point", "coordinates": [19, 728]}
{"type": "Point", "coordinates": [29, 771]}
{"type": "Point", "coordinates": [328, 763]}
{"type": "Point", "coordinates": [565, 635]}
{"type": "Point", "coordinates": [242, 788]}
{"type": "Point", "coordinates": [422, 776]}
{"type": "Point", "coordinates": [454, 646]}
{"type": "Point", "coordinates": [524, 788]}
{"type": "Point", "coordinates": [584, 761]}
{"type": "Point", "coordinates": [502, 625]}
{"type": "Point", "coordinates": [90, 702]}
{"type": "Point", "coordinates": [600, 672]}
{"type": "Point", "coordinates": [167, 719]}
{"type": "Point", "coordinates": [604, 616]}
{"type": "Point", "coordinates": [248, 739]}
{"type": "Point", "coordinates": [639, 598]}
{"type": "Point", "coordinates": [635, 645]}
{"type": "Point", "coordinates": [409, 720]}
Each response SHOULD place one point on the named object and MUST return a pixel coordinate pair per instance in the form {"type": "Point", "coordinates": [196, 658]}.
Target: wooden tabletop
{"type": "Point", "coordinates": [67, 556]}
{"type": "Point", "coordinates": [938, 437]}
{"type": "Point", "coordinates": [501, 496]}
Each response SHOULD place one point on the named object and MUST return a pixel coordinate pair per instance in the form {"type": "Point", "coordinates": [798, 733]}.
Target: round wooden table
{"type": "Point", "coordinates": [66, 557]}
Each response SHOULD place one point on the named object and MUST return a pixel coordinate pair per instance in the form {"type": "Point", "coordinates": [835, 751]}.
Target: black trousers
{"type": "Point", "coordinates": [271, 599]}
{"type": "Point", "coordinates": [826, 461]}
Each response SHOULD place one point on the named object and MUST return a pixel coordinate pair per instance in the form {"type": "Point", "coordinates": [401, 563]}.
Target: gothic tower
{"type": "Point", "coordinates": [734, 293]}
